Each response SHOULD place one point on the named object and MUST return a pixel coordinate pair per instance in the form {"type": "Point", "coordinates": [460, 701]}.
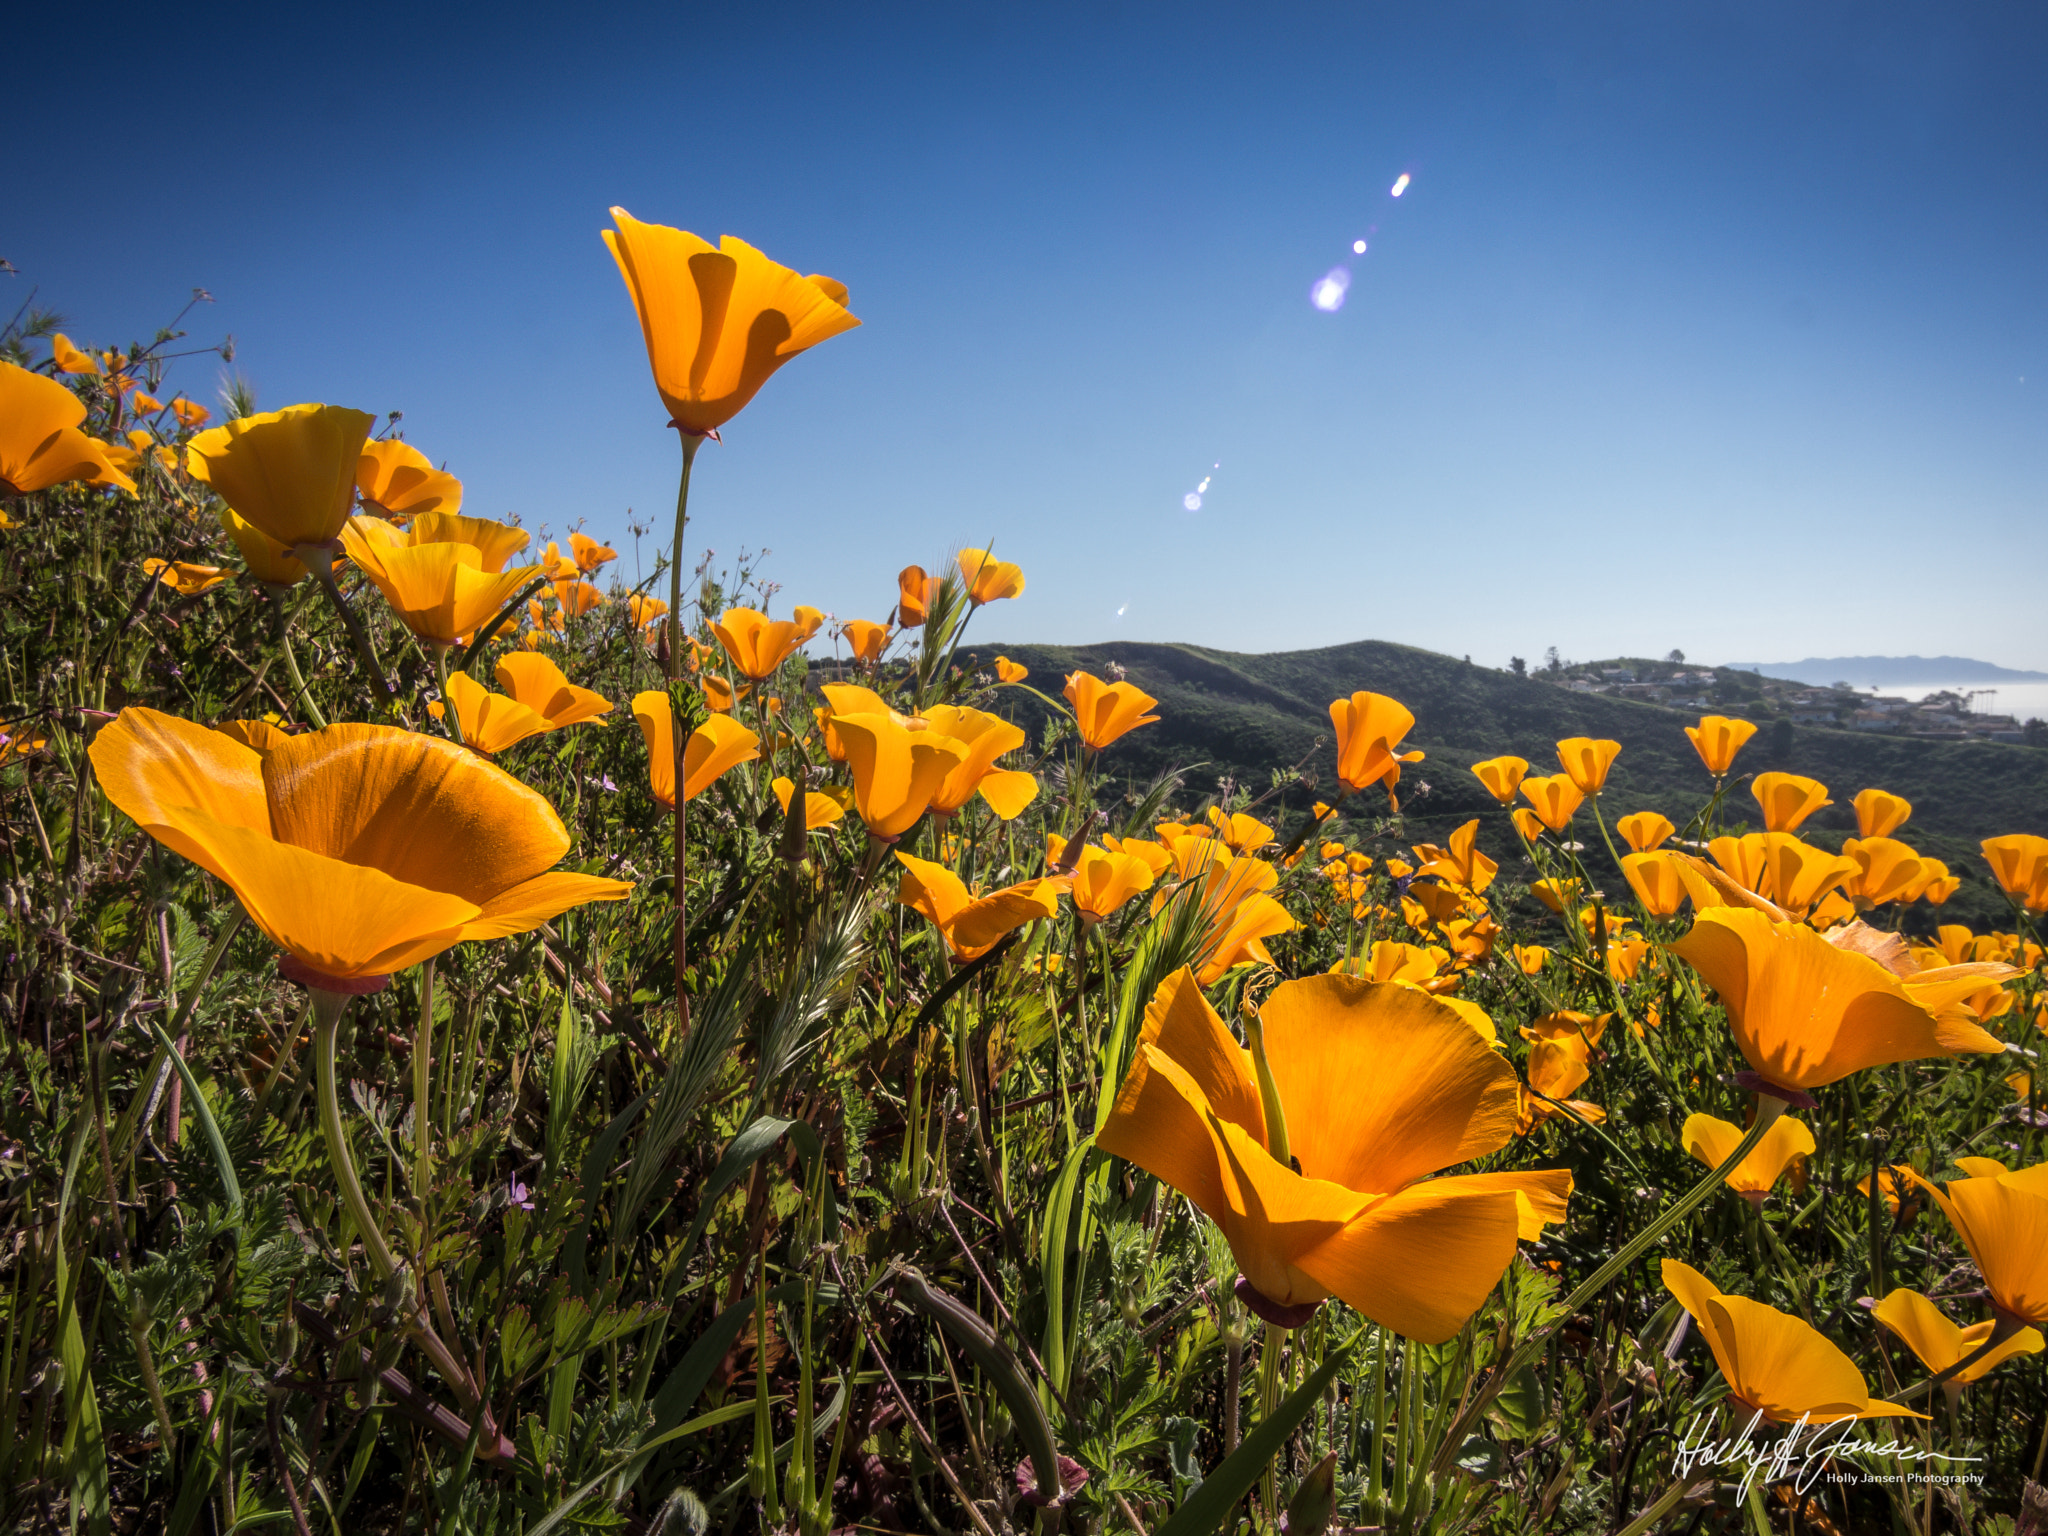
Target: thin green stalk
{"type": "Point", "coordinates": [319, 559]}
{"type": "Point", "coordinates": [449, 712]}
{"type": "Point", "coordinates": [291, 662]}
{"type": "Point", "coordinates": [680, 815]}
{"type": "Point", "coordinates": [422, 1081]}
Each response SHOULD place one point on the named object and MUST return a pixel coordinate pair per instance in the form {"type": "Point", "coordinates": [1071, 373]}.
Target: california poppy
{"type": "Point", "coordinates": [1104, 879]}
{"type": "Point", "coordinates": [1645, 830]}
{"type": "Point", "coordinates": [66, 358]}
{"type": "Point", "coordinates": [1105, 711]}
{"type": "Point", "coordinates": [820, 810]}
{"type": "Point", "coordinates": [537, 697]}
{"type": "Point", "coordinates": [1460, 862]}
{"type": "Point", "coordinates": [1775, 1364]}
{"type": "Point", "coordinates": [718, 744]}
{"type": "Point", "coordinates": [1527, 823]}
{"type": "Point", "coordinates": [359, 849]}
{"type": "Point", "coordinates": [1939, 1343]}
{"type": "Point", "coordinates": [718, 320]}
{"type": "Point", "coordinates": [396, 481]}
{"type": "Point", "coordinates": [1887, 870]}
{"type": "Point", "coordinates": [1380, 1086]}
{"type": "Point", "coordinates": [1008, 671]}
{"type": "Point", "coordinates": [40, 443]}
{"type": "Point", "coordinates": [1880, 815]}
{"type": "Point", "coordinates": [441, 592]}
{"type": "Point", "coordinates": [1797, 874]}
{"type": "Point", "coordinates": [292, 473]}
{"type": "Point", "coordinates": [1711, 1140]}
{"type": "Point", "coordinates": [866, 639]}
{"type": "Point", "coordinates": [1554, 798]}
{"type": "Point", "coordinates": [756, 643]}
{"type": "Point", "coordinates": [1369, 729]}
{"type": "Point", "coordinates": [1717, 739]}
{"type": "Point", "coordinates": [1558, 1066]}
{"type": "Point", "coordinates": [983, 738]}
{"type": "Point", "coordinates": [2002, 1218]}
{"type": "Point", "coordinates": [183, 577]}
{"type": "Point", "coordinates": [896, 771]}
{"type": "Point", "coordinates": [1806, 1013]}
{"type": "Point", "coordinates": [989, 579]}
{"type": "Point", "coordinates": [495, 542]}
{"type": "Point", "coordinates": [1502, 776]}
{"type": "Point", "coordinates": [2019, 863]}
{"type": "Point", "coordinates": [971, 924]}
{"type": "Point", "coordinates": [645, 611]}
{"type": "Point", "coordinates": [1787, 799]}
{"type": "Point", "coordinates": [916, 594]}
{"type": "Point", "coordinates": [190, 413]}
{"type": "Point", "coordinates": [1655, 880]}
{"type": "Point", "coordinates": [589, 554]}
{"type": "Point", "coordinates": [1586, 761]}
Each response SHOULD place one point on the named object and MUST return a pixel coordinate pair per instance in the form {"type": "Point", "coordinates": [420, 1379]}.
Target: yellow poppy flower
{"type": "Point", "coordinates": [1105, 711]}
{"type": "Point", "coordinates": [1554, 798]}
{"type": "Point", "coordinates": [2019, 863]}
{"type": "Point", "coordinates": [189, 413]}
{"type": "Point", "coordinates": [1710, 1140]}
{"type": "Point", "coordinates": [1104, 879]}
{"type": "Point", "coordinates": [144, 404]}
{"type": "Point", "coordinates": [1806, 1013]}
{"type": "Point", "coordinates": [360, 850]}
{"type": "Point", "coordinates": [1742, 857]}
{"type": "Point", "coordinates": [1502, 776]}
{"type": "Point", "coordinates": [1880, 815]}
{"type": "Point", "coordinates": [896, 771]}
{"type": "Point", "coordinates": [756, 643]}
{"type": "Point", "coordinates": [1939, 1343]}
{"type": "Point", "coordinates": [441, 592]}
{"type": "Point", "coordinates": [1380, 1087]}
{"type": "Point", "coordinates": [1787, 799]}
{"type": "Point", "coordinates": [718, 744]}
{"type": "Point", "coordinates": [183, 577]}
{"type": "Point", "coordinates": [1797, 874]}
{"type": "Point", "coordinates": [972, 924]}
{"type": "Point", "coordinates": [866, 639]}
{"type": "Point", "coordinates": [495, 542]}
{"type": "Point", "coordinates": [1531, 958]}
{"type": "Point", "coordinates": [1586, 761]}
{"type": "Point", "coordinates": [1155, 856]}
{"type": "Point", "coordinates": [820, 810]}
{"type": "Point", "coordinates": [987, 579]}
{"type": "Point", "coordinates": [589, 554]}
{"type": "Point", "coordinates": [808, 620]}
{"type": "Point", "coordinates": [1558, 1066]}
{"type": "Point", "coordinates": [915, 595]}
{"type": "Point", "coordinates": [1008, 671]}
{"type": "Point", "coordinates": [68, 359]}
{"type": "Point", "coordinates": [267, 560]}
{"type": "Point", "coordinates": [397, 481]}
{"type": "Point", "coordinates": [982, 738]}
{"type": "Point", "coordinates": [717, 320]}
{"type": "Point", "coordinates": [1717, 739]}
{"type": "Point", "coordinates": [1240, 833]}
{"type": "Point", "coordinates": [291, 473]}
{"type": "Point", "coordinates": [1886, 870]}
{"type": "Point", "coordinates": [1461, 863]}
{"type": "Point", "coordinates": [1654, 877]}
{"type": "Point", "coordinates": [1775, 1364]}
{"type": "Point", "coordinates": [40, 443]}
{"type": "Point", "coordinates": [1527, 822]}
{"type": "Point", "coordinates": [576, 598]}
{"type": "Point", "coordinates": [2002, 1218]}
{"type": "Point", "coordinates": [1369, 730]}
{"type": "Point", "coordinates": [1645, 830]}
{"type": "Point", "coordinates": [1555, 894]}
{"type": "Point", "coordinates": [537, 697]}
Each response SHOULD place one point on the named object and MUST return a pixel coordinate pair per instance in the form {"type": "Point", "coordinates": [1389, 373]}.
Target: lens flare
{"type": "Point", "coordinates": [1358, 247]}
{"type": "Point", "coordinates": [1328, 292]}
{"type": "Point", "coordinates": [1400, 185]}
{"type": "Point", "coordinates": [1193, 500]}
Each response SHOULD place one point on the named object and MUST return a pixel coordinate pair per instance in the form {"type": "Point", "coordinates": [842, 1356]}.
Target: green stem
{"type": "Point", "coordinates": [449, 711]}
{"type": "Point", "coordinates": [1269, 1399]}
{"type": "Point", "coordinates": [328, 1008]}
{"type": "Point", "coordinates": [319, 559]}
{"type": "Point", "coordinates": [291, 666]}
{"type": "Point", "coordinates": [680, 814]}
{"type": "Point", "coordinates": [481, 640]}
{"type": "Point", "coordinates": [422, 1060]}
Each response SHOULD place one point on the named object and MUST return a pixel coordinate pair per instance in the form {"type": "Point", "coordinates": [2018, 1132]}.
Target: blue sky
{"type": "Point", "coordinates": [1709, 326]}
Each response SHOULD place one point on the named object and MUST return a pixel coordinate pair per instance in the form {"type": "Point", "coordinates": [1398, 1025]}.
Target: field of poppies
{"type": "Point", "coordinates": [488, 1049]}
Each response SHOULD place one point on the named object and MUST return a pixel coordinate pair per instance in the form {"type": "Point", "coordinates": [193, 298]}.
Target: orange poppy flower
{"type": "Point", "coordinates": [1104, 879]}
{"type": "Point", "coordinates": [1105, 711]}
{"type": "Point", "coordinates": [896, 771]}
{"type": "Point", "coordinates": [441, 592]}
{"type": "Point", "coordinates": [396, 481]}
{"type": "Point", "coordinates": [1461, 864]}
{"type": "Point", "coordinates": [1380, 1086]}
{"type": "Point", "coordinates": [495, 542]}
{"type": "Point", "coordinates": [1586, 761]}
{"type": "Point", "coordinates": [184, 578]}
{"type": "Point", "coordinates": [1711, 1140]}
{"type": "Point", "coordinates": [718, 320]}
{"type": "Point", "coordinates": [589, 554]}
{"type": "Point", "coordinates": [972, 924]}
{"type": "Point", "coordinates": [291, 473]}
{"type": "Point", "coordinates": [1775, 1364]}
{"type": "Point", "coordinates": [1008, 671]}
{"type": "Point", "coordinates": [866, 639]}
{"type": "Point", "coordinates": [1787, 799]}
{"type": "Point", "coordinates": [1554, 798]}
{"type": "Point", "coordinates": [2002, 1217]}
{"type": "Point", "coordinates": [360, 850]}
{"type": "Point", "coordinates": [645, 611]}
{"type": "Point", "coordinates": [1717, 739]}
{"type": "Point", "coordinates": [66, 358]}
{"type": "Point", "coordinates": [1645, 830]}
{"type": "Point", "coordinates": [916, 593]}
{"type": "Point", "coordinates": [2019, 863]}
{"type": "Point", "coordinates": [1527, 822]}
{"type": "Point", "coordinates": [1369, 730]}
{"type": "Point", "coordinates": [189, 413]}
{"type": "Point", "coordinates": [1887, 870]}
{"type": "Point", "coordinates": [266, 559]}
{"type": "Point", "coordinates": [538, 697]}
{"type": "Point", "coordinates": [756, 643]}
{"type": "Point", "coordinates": [1880, 815]}
{"type": "Point", "coordinates": [1939, 1343]}
{"type": "Point", "coordinates": [40, 443]}
{"type": "Point", "coordinates": [988, 578]}
{"type": "Point", "coordinates": [1502, 776]}
{"type": "Point", "coordinates": [982, 738]}
{"type": "Point", "coordinates": [1559, 1064]}
{"type": "Point", "coordinates": [1654, 877]}
{"type": "Point", "coordinates": [718, 744]}
{"type": "Point", "coordinates": [820, 810]}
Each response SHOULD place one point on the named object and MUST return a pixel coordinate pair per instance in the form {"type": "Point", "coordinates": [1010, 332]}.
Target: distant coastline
{"type": "Point", "coordinates": [1888, 671]}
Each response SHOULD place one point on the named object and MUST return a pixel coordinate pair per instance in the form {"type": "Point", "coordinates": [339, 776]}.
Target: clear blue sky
{"type": "Point", "coordinates": [1700, 325]}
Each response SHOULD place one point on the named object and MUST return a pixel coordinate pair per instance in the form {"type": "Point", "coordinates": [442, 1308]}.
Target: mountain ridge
{"type": "Point", "coordinates": [1888, 671]}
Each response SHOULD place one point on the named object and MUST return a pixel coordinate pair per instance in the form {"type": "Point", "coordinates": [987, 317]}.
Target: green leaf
{"type": "Point", "coordinates": [1518, 1410]}
{"type": "Point", "coordinates": [1209, 1506]}
{"type": "Point", "coordinates": [1479, 1458]}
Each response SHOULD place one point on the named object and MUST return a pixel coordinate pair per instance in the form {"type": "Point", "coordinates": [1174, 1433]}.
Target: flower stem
{"type": "Point", "coordinates": [452, 715]}
{"type": "Point", "coordinates": [291, 666]}
{"type": "Point", "coordinates": [319, 559]}
{"type": "Point", "coordinates": [691, 444]}
{"type": "Point", "coordinates": [328, 1008]}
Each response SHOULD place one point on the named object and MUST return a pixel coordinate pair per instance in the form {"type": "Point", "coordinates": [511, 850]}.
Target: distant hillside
{"type": "Point", "coordinates": [1246, 716]}
{"type": "Point", "coordinates": [1889, 671]}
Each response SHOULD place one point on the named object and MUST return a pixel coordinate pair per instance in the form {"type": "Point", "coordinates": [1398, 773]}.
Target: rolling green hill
{"type": "Point", "coordinates": [1246, 716]}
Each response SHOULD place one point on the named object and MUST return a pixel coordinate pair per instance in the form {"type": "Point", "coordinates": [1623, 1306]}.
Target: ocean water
{"type": "Point", "coordinates": [2024, 701]}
